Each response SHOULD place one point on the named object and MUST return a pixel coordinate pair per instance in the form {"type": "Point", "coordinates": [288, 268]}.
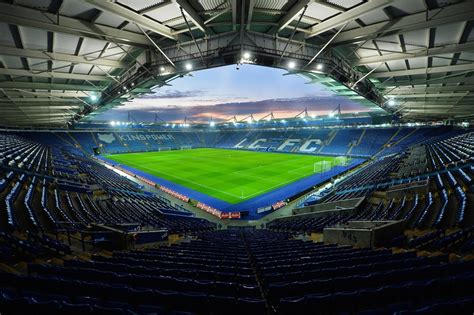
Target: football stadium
{"type": "Point", "coordinates": [188, 157]}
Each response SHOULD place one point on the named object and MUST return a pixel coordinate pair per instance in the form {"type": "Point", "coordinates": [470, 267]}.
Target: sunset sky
{"type": "Point", "coordinates": [223, 92]}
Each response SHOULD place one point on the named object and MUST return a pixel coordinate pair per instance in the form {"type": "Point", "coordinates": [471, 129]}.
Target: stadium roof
{"type": "Point", "coordinates": [61, 60]}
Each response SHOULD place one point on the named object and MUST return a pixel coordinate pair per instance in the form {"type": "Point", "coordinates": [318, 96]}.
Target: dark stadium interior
{"type": "Point", "coordinates": [383, 223]}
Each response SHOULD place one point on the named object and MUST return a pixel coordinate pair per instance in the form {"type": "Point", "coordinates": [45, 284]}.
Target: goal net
{"type": "Point", "coordinates": [164, 149]}
{"type": "Point", "coordinates": [341, 160]}
{"type": "Point", "coordinates": [321, 167]}
{"type": "Point", "coordinates": [186, 147]}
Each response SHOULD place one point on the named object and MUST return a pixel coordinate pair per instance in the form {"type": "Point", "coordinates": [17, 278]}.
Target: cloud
{"type": "Point", "coordinates": [172, 94]}
{"type": "Point", "coordinates": [282, 108]}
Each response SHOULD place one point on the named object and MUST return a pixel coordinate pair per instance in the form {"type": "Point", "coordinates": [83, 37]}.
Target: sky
{"type": "Point", "coordinates": [220, 93]}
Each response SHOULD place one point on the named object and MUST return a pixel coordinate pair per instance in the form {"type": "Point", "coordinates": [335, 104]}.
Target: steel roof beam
{"type": "Point", "coordinates": [291, 14]}
{"type": "Point", "coordinates": [48, 86]}
{"type": "Point", "coordinates": [429, 95]}
{"type": "Point", "coordinates": [17, 100]}
{"type": "Point", "coordinates": [433, 89]}
{"type": "Point", "coordinates": [455, 80]}
{"type": "Point", "coordinates": [436, 17]}
{"type": "Point", "coordinates": [132, 16]}
{"type": "Point", "coordinates": [18, 15]}
{"type": "Point", "coordinates": [43, 54]}
{"type": "Point", "coordinates": [448, 49]}
{"type": "Point", "coordinates": [54, 75]}
{"type": "Point", "coordinates": [234, 14]}
{"type": "Point", "coordinates": [250, 14]}
{"type": "Point", "coordinates": [349, 15]}
{"type": "Point", "coordinates": [418, 71]}
{"type": "Point", "coordinates": [193, 16]}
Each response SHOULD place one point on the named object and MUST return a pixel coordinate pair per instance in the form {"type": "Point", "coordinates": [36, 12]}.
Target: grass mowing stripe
{"type": "Point", "coordinates": [229, 175]}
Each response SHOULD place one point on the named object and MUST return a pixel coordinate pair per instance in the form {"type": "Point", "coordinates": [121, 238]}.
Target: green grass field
{"type": "Point", "coordinates": [229, 175]}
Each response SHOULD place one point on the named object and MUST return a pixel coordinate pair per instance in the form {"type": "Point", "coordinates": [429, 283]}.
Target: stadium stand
{"type": "Point", "coordinates": [369, 204]}
{"type": "Point", "coordinates": [52, 187]}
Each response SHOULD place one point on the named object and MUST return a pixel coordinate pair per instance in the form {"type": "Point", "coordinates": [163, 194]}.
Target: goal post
{"type": "Point", "coordinates": [341, 160]}
{"type": "Point", "coordinates": [164, 149]}
{"type": "Point", "coordinates": [186, 147]}
{"type": "Point", "coordinates": [321, 167]}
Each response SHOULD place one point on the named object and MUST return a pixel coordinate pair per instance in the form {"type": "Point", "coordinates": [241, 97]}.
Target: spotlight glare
{"type": "Point", "coordinates": [319, 66]}
{"type": "Point", "coordinates": [162, 69]}
{"type": "Point", "coordinates": [246, 55]}
{"type": "Point", "coordinates": [391, 102]}
{"type": "Point", "coordinates": [332, 115]}
{"type": "Point", "coordinates": [93, 97]}
{"type": "Point", "coordinates": [291, 65]}
{"type": "Point", "coordinates": [189, 66]}
{"type": "Point", "coordinates": [212, 124]}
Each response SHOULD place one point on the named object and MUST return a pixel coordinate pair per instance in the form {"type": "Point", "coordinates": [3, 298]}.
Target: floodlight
{"type": "Point", "coordinates": [246, 55]}
{"type": "Point", "coordinates": [212, 123]}
{"type": "Point", "coordinates": [93, 97]}
{"type": "Point", "coordinates": [391, 102]}
{"type": "Point", "coordinates": [291, 65]}
{"type": "Point", "coordinates": [319, 66]}
{"type": "Point", "coordinates": [189, 67]}
{"type": "Point", "coordinates": [332, 114]}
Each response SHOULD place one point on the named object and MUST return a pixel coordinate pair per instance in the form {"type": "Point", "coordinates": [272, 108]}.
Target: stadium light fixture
{"type": "Point", "coordinates": [246, 55]}
{"type": "Point", "coordinates": [291, 65]}
{"type": "Point", "coordinates": [319, 66]}
{"type": "Point", "coordinates": [332, 114]}
{"type": "Point", "coordinates": [189, 67]}
{"type": "Point", "coordinates": [391, 102]}
{"type": "Point", "coordinates": [212, 123]}
{"type": "Point", "coordinates": [162, 69]}
{"type": "Point", "coordinates": [93, 97]}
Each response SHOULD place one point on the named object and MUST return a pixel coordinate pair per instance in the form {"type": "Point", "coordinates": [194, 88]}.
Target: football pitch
{"type": "Point", "coordinates": [230, 175]}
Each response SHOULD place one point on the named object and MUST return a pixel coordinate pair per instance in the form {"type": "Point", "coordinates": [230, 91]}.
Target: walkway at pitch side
{"type": "Point", "coordinates": [250, 205]}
